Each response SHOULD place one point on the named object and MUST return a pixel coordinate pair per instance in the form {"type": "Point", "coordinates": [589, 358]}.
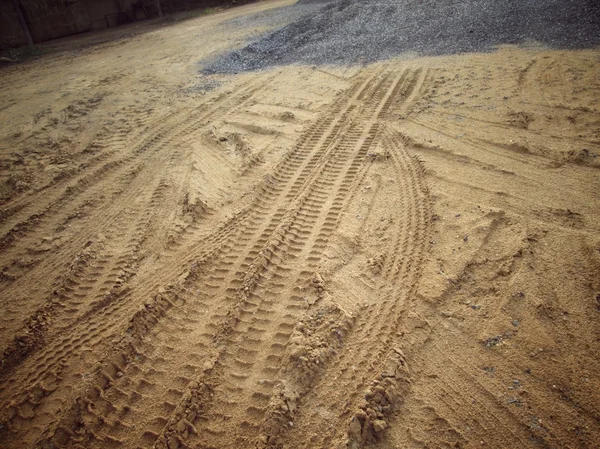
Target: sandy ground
{"type": "Point", "coordinates": [405, 254]}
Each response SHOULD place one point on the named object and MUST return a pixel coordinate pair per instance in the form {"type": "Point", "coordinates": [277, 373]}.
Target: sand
{"type": "Point", "coordinates": [401, 254]}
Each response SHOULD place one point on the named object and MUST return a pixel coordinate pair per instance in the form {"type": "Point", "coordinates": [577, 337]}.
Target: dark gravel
{"type": "Point", "coordinates": [362, 31]}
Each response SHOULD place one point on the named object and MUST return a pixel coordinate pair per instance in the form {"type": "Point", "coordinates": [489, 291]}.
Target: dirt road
{"type": "Point", "coordinates": [403, 254]}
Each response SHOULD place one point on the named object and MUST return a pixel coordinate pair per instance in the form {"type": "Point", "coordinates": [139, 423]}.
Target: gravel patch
{"type": "Point", "coordinates": [364, 31]}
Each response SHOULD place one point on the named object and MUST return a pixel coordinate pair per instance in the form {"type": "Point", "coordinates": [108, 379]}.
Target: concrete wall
{"type": "Point", "coordinates": [99, 9]}
{"type": "Point", "coordinates": [11, 34]}
{"type": "Point", "coordinates": [49, 19]}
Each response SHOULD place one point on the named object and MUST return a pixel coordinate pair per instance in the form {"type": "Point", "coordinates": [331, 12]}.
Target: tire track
{"type": "Point", "coordinates": [255, 217]}
{"type": "Point", "coordinates": [493, 149]}
{"type": "Point", "coordinates": [245, 276]}
{"type": "Point", "coordinates": [93, 328]}
{"type": "Point", "coordinates": [467, 392]}
{"type": "Point", "coordinates": [368, 348]}
{"type": "Point", "coordinates": [261, 319]}
{"type": "Point", "coordinates": [51, 202]}
{"type": "Point", "coordinates": [266, 252]}
{"type": "Point", "coordinates": [133, 189]}
{"type": "Point", "coordinates": [264, 319]}
{"type": "Point", "coordinates": [462, 398]}
{"type": "Point", "coordinates": [291, 174]}
{"type": "Point", "coordinates": [128, 151]}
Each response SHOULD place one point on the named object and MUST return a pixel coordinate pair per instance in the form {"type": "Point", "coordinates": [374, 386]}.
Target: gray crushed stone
{"type": "Point", "coordinates": [364, 31]}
